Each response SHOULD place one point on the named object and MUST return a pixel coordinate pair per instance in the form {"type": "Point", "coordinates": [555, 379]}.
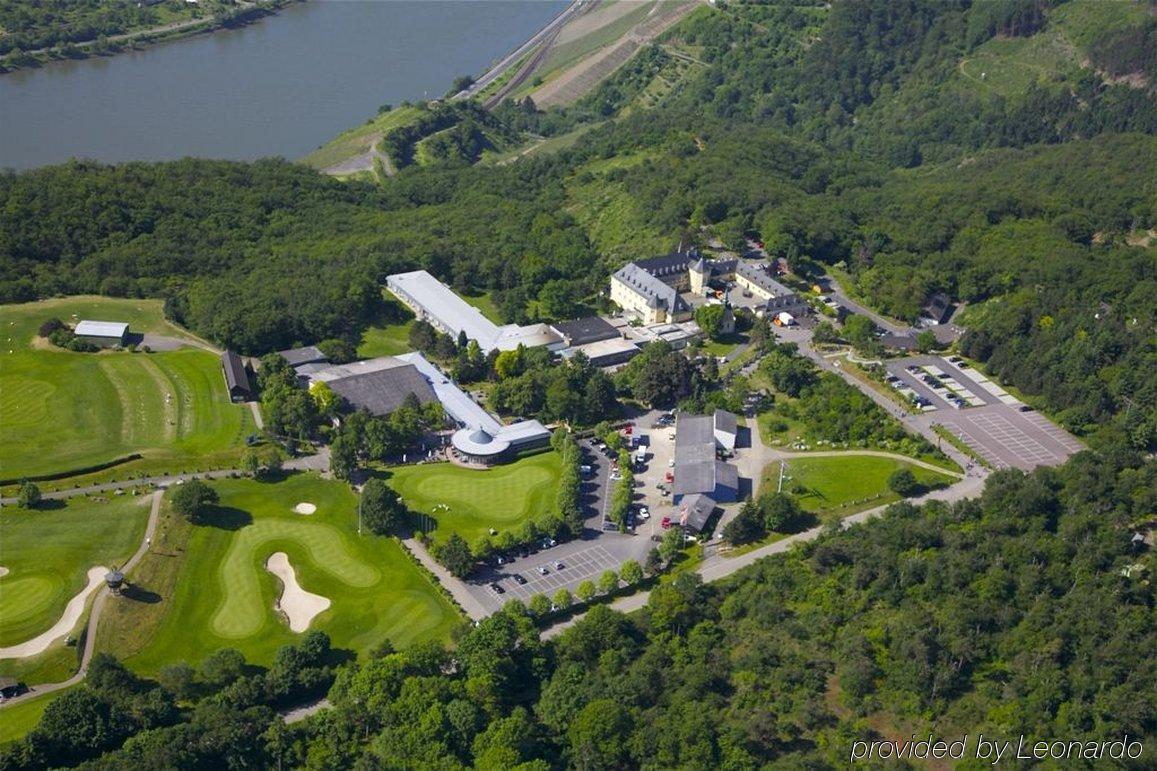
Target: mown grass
{"type": "Point", "coordinates": [484, 301]}
{"type": "Point", "coordinates": [16, 720]}
{"type": "Point", "coordinates": [385, 341]}
{"type": "Point", "coordinates": [49, 551]}
{"type": "Point", "coordinates": [845, 484]}
{"type": "Point", "coordinates": [205, 586]}
{"type": "Point", "coordinates": [502, 497]}
{"type": "Point", "coordinates": [62, 411]}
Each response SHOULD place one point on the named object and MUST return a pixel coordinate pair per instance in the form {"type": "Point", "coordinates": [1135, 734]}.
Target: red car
{"type": "Point", "coordinates": [666, 523]}
{"type": "Point", "coordinates": [670, 476]}
{"type": "Point", "coordinates": [627, 431]}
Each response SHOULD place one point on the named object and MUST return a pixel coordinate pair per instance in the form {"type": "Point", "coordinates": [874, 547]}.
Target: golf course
{"type": "Point", "coordinates": [471, 501]}
{"type": "Point", "coordinates": [47, 554]}
{"type": "Point", "coordinates": [62, 411]}
{"type": "Point", "coordinates": [209, 585]}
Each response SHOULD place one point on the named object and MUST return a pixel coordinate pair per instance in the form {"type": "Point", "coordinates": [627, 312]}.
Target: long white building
{"type": "Point", "coordinates": [436, 303]}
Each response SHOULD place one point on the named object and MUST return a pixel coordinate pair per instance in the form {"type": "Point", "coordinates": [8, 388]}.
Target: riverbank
{"type": "Point", "coordinates": [246, 13]}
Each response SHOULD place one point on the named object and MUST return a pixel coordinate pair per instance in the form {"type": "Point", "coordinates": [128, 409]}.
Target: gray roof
{"type": "Point", "coordinates": [378, 385]}
{"type": "Point", "coordinates": [588, 330]}
{"type": "Point", "coordinates": [726, 422]}
{"type": "Point", "coordinates": [759, 273]}
{"type": "Point", "coordinates": [696, 468]}
{"type": "Point", "coordinates": [236, 376]}
{"type": "Point", "coordinates": [668, 264]}
{"type": "Point", "coordinates": [454, 315]}
{"type": "Point", "coordinates": [695, 510]}
{"type": "Point", "coordinates": [310, 354]}
{"type": "Point", "coordinates": [657, 293]}
{"type": "Point", "coordinates": [117, 329]}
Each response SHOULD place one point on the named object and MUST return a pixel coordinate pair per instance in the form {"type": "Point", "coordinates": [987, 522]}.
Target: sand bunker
{"type": "Point", "coordinates": [298, 605]}
{"type": "Point", "coordinates": [305, 508]}
{"type": "Point", "coordinates": [72, 614]}
{"type": "Point", "coordinates": [3, 571]}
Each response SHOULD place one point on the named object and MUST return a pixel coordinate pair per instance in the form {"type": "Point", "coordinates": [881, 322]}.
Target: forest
{"type": "Point", "coordinates": [1028, 610]}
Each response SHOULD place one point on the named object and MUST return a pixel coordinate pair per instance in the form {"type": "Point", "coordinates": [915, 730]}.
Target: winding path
{"type": "Point", "coordinates": [102, 596]}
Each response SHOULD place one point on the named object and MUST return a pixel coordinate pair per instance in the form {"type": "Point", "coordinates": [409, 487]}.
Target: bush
{"type": "Point", "coordinates": [903, 482]}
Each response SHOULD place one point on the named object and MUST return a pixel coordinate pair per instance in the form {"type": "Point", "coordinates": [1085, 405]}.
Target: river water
{"type": "Point", "coordinates": [282, 86]}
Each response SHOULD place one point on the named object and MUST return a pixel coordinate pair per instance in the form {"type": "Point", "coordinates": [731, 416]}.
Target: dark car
{"type": "Point", "coordinates": [1024, 408]}
{"type": "Point", "coordinates": [519, 580]}
{"type": "Point", "coordinates": [497, 589]}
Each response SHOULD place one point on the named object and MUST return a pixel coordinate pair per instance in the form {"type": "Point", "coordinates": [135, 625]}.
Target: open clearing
{"type": "Point", "coordinates": [844, 484]}
{"type": "Point", "coordinates": [359, 141]}
{"type": "Point", "coordinates": [62, 411]}
{"type": "Point", "coordinates": [501, 498]}
{"type": "Point", "coordinates": [206, 586]}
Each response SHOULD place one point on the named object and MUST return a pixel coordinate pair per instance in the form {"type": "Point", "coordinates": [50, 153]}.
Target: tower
{"type": "Point", "coordinates": [699, 273]}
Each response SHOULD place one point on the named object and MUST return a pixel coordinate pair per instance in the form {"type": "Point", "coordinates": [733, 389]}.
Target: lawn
{"type": "Point", "coordinates": [502, 497]}
{"type": "Point", "coordinates": [484, 302]}
{"type": "Point", "coordinates": [385, 341]}
{"type": "Point", "coordinates": [205, 587]}
{"type": "Point", "coordinates": [844, 484]}
{"type": "Point", "coordinates": [20, 718]}
{"type": "Point", "coordinates": [62, 411]}
{"type": "Point", "coordinates": [49, 552]}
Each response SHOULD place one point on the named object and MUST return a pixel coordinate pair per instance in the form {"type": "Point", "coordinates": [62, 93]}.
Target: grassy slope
{"type": "Point", "coordinates": [613, 218]}
{"type": "Point", "coordinates": [844, 485]}
{"type": "Point", "coordinates": [214, 591]}
{"type": "Point", "coordinates": [86, 409]}
{"type": "Point", "coordinates": [358, 140]}
{"type": "Point", "coordinates": [502, 497]}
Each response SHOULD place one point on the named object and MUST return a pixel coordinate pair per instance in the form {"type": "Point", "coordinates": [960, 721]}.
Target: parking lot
{"type": "Point", "coordinates": [992, 422]}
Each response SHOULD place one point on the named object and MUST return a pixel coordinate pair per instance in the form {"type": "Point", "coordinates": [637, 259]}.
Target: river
{"type": "Point", "coordinates": [282, 86]}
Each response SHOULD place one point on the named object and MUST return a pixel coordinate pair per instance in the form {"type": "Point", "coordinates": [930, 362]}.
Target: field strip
{"type": "Point", "coordinates": [68, 619]}
{"type": "Point", "coordinates": [165, 387]}
{"type": "Point", "coordinates": [131, 408]}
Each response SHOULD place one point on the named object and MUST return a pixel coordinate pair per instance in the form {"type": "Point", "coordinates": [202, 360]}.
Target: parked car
{"type": "Point", "coordinates": [558, 565]}
{"type": "Point", "coordinates": [1024, 408]}
{"type": "Point", "coordinates": [542, 570]}
{"type": "Point", "coordinates": [585, 469]}
{"type": "Point", "coordinates": [519, 580]}
{"type": "Point", "coordinates": [497, 589]}
{"type": "Point", "coordinates": [665, 523]}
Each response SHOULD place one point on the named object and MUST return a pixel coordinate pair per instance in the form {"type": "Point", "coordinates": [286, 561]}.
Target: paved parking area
{"type": "Point", "coordinates": [589, 563]}
{"type": "Point", "coordinates": [996, 430]}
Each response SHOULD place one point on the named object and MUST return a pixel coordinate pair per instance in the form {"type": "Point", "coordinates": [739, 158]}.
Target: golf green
{"type": "Point", "coordinates": [48, 553]}
{"type": "Point", "coordinates": [471, 501]}
{"type": "Point", "coordinates": [62, 411]}
{"type": "Point", "coordinates": [209, 587]}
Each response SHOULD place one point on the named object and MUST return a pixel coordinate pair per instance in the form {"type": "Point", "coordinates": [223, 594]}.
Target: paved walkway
{"type": "Point", "coordinates": [454, 585]}
{"type": "Point", "coordinates": [97, 608]}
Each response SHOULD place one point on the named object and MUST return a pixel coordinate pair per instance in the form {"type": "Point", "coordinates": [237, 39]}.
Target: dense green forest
{"type": "Point", "coordinates": [1026, 611]}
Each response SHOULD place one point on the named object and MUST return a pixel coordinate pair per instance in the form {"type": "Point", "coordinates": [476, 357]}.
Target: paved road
{"type": "Point", "coordinates": [721, 566]}
{"type": "Point", "coordinates": [98, 604]}
{"type": "Point", "coordinates": [885, 323]}
{"type": "Point", "coordinates": [511, 59]}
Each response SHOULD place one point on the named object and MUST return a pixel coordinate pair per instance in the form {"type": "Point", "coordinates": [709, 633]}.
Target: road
{"type": "Point", "coordinates": [511, 59]}
{"type": "Point", "coordinates": [720, 566]}
{"type": "Point", "coordinates": [842, 298]}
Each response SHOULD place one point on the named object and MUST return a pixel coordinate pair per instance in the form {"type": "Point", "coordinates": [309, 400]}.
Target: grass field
{"type": "Point", "coordinates": [205, 587]}
{"type": "Point", "coordinates": [385, 341]}
{"type": "Point", "coordinates": [846, 484]}
{"type": "Point", "coordinates": [63, 411]}
{"type": "Point", "coordinates": [49, 551]}
{"type": "Point", "coordinates": [502, 497]}
{"type": "Point", "coordinates": [20, 718]}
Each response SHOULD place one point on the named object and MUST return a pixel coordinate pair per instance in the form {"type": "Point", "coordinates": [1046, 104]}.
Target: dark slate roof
{"type": "Point", "coordinates": [759, 273]}
{"type": "Point", "coordinates": [726, 475]}
{"type": "Point", "coordinates": [383, 391]}
{"type": "Point", "coordinates": [582, 331]}
{"type": "Point", "coordinates": [658, 294]}
{"type": "Point", "coordinates": [668, 264]}
{"type": "Point", "coordinates": [695, 510]}
{"type": "Point", "coordinates": [236, 376]}
{"type": "Point", "coordinates": [310, 354]}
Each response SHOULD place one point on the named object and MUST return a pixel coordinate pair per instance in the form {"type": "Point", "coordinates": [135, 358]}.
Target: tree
{"type": "Point", "coordinates": [747, 526]}
{"type": "Point", "coordinates": [562, 599]}
{"type": "Point", "coordinates": [250, 462]}
{"type": "Point", "coordinates": [926, 341]}
{"type": "Point", "coordinates": [192, 498]}
{"type": "Point", "coordinates": [272, 460]}
{"type": "Point", "coordinates": [608, 581]}
{"type": "Point", "coordinates": [585, 591]}
{"type": "Point", "coordinates": [381, 508]}
{"type": "Point", "coordinates": [903, 482]}
{"type": "Point", "coordinates": [540, 605]}
{"type": "Point", "coordinates": [29, 496]}
{"type": "Point", "coordinates": [222, 667]}
{"type": "Point", "coordinates": [343, 455]}
{"type": "Point", "coordinates": [654, 562]}
{"type": "Point", "coordinates": [710, 320]}
{"type": "Point", "coordinates": [456, 556]}
{"type": "Point", "coordinates": [324, 397]}
{"type": "Point", "coordinates": [781, 512]}
{"type": "Point", "coordinates": [671, 544]}
{"type": "Point", "coordinates": [597, 736]}
{"type": "Point", "coordinates": [631, 572]}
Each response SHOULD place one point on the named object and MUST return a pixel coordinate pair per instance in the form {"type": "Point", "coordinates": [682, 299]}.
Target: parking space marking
{"type": "Point", "coordinates": [577, 567]}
